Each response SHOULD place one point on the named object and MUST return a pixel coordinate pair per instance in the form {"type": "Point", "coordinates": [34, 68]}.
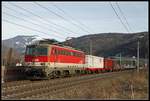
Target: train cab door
{"type": "Point", "coordinates": [55, 56]}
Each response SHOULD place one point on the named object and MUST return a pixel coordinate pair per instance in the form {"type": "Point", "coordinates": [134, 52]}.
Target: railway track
{"type": "Point", "coordinates": [43, 89]}
{"type": "Point", "coordinates": [26, 83]}
{"type": "Point", "coordinates": [14, 83]}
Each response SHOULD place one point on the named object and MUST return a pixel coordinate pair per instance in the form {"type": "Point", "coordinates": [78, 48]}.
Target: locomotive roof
{"type": "Point", "coordinates": [66, 47]}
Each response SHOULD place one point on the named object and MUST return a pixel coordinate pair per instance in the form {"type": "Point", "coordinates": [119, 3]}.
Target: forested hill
{"type": "Point", "coordinates": [111, 44]}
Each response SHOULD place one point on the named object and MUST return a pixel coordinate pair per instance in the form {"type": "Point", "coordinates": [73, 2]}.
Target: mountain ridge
{"type": "Point", "coordinates": [103, 44]}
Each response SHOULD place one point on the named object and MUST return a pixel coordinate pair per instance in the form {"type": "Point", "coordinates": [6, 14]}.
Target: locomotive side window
{"type": "Point", "coordinates": [59, 52]}
{"type": "Point", "coordinates": [66, 53]}
{"type": "Point", "coordinates": [63, 52]}
{"type": "Point", "coordinates": [71, 53]}
{"type": "Point", "coordinates": [41, 51]}
{"type": "Point", "coordinates": [56, 52]}
{"type": "Point", "coordinates": [78, 55]}
{"type": "Point", "coordinates": [74, 54]}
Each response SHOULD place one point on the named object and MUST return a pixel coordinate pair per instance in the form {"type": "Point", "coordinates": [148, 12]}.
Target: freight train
{"type": "Point", "coordinates": [44, 60]}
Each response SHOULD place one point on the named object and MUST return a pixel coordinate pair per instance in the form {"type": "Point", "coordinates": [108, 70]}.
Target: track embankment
{"type": "Point", "coordinates": [41, 89]}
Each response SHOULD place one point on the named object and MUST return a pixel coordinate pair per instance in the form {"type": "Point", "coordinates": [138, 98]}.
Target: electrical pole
{"type": "Point", "coordinates": [120, 60]}
{"type": "Point", "coordinates": [90, 46]}
{"type": "Point", "coordinates": [9, 57]}
{"type": "Point", "coordinates": [138, 53]}
{"type": "Point", "coordinates": [138, 56]}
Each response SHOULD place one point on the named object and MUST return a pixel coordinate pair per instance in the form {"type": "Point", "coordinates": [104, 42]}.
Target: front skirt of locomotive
{"type": "Point", "coordinates": [35, 72]}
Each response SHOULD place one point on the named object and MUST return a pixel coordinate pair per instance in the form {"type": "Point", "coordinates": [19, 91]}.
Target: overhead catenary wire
{"type": "Point", "coordinates": [119, 17]}
{"type": "Point", "coordinates": [79, 23]}
{"type": "Point", "coordinates": [123, 16]}
{"type": "Point", "coordinates": [56, 28]}
{"type": "Point", "coordinates": [25, 27]}
{"type": "Point", "coordinates": [58, 35]}
{"type": "Point", "coordinates": [47, 21]}
{"type": "Point", "coordinates": [34, 19]}
{"type": "Point", "coordinates": [60, 16]}
{"type": "Point", "coordinates": [90, 40]}
{"type": "Point", "coordinates": [15, 11]}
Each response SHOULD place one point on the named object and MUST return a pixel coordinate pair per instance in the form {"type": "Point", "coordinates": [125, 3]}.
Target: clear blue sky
{"type": "Point", "coordinates": [98, 17]}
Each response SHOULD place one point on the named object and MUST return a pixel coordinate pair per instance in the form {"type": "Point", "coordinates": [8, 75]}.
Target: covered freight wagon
{"type": "Point", "coordinates": [108, 64]}
{"type": "Point", "coordinates": [94, 63]}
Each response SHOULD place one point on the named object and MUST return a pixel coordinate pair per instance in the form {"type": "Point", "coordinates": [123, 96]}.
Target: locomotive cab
{"type": "Point", "coordinates": [36, 60]}
{"type": "Point", "coordinates": [36, 55]}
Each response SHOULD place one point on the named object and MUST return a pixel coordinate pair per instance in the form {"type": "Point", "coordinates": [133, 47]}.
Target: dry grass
{"type": "Point", "coordinates": [126, 86]}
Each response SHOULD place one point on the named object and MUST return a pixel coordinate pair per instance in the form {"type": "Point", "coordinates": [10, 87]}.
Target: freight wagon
{"type": "Point", "coordinates": [94, 63]}
{"type": "Point", "coordinates": [98, 64]}
{"type": "Point", "coordinates": [108, 64]}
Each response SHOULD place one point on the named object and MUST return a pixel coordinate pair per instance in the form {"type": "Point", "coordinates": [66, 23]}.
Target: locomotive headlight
{"type": "Point", "coordinates": [36, 60]}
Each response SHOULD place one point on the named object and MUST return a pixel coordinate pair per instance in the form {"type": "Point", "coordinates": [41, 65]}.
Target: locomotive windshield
{"type": "Point", "coordinates": [36, 51]}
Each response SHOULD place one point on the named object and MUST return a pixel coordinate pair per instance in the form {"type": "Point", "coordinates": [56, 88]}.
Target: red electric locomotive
{"type": "Point", "coordinates": [48, 60]}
